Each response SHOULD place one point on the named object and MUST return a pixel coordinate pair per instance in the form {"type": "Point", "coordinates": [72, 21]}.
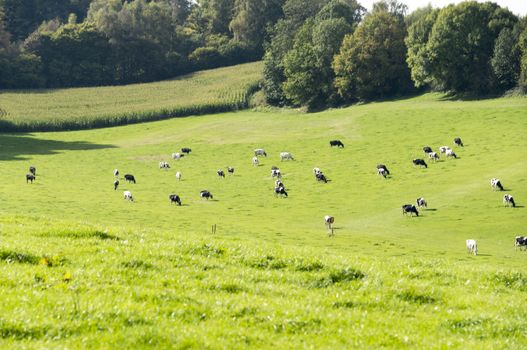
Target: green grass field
{"type": "Point", "coordinates": [83, 268]}
{"type": "Point", "coordinates": [218, 90]}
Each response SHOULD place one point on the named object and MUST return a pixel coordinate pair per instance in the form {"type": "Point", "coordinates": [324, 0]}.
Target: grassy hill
{"type": "Point", "coordinates": [217, 90]}
{"type": "Point", "coordinates": [93, 268]}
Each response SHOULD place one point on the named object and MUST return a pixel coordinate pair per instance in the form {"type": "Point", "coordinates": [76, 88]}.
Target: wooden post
{"type": "Point", "coordinates": [213, 229]}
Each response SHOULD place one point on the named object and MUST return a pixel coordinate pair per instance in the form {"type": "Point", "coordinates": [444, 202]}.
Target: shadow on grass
{"type": "Point", "coordinates": [16, 146]}
{"type": "Point", "coordinates": [430, 209]}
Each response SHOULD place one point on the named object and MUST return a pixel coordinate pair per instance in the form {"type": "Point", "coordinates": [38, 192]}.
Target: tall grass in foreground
{"type": "Point", "coordinates": [207, 92]}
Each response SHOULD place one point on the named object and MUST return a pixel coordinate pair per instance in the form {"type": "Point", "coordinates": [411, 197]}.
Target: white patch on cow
{"type": "Point", "coordinates": [472, 247]}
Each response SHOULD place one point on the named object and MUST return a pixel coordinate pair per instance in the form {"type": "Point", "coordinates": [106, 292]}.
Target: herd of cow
{"type": "Point", "coordinates": [280, 190]}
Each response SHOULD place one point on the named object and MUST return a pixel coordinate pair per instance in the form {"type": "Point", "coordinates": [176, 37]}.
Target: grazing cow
{"type": "Point", "coordinates": [286, 156]}
{"type": "Point", "coordinates": [206, 194]}
{"type": "Point", "coordinates": [129, 178]}
{"type": "Point", "coordinates": [328, 221]}
{"type": "Point", "coordinates": [256, 162]}
{"type": "Point", "coordinates": [30, 178]}
{"type": "Point", "coordinates": [496, 183]}
{"type": "Point", "coordinates": [186, 150]}
{"type": "Point", "coordinates": [410, 209]}
{"type": "Point", "coordinates": [164, 165]}
{"type": "Point", "coordinates": [336, 143]}
{"type": "Point", "coordinates": [472, 247]}
{"type": "Point", "coordinates": [433, 156]}
{"type": "Point", "coordinates": [174, 198]}
{"type": "Point", "coordinates": [115, 172]}
{"type": "Point", "coordinates": [128, 196]}
{"type": "Point", "coordinates": [520, 242]}
{"type": "Point", "coordinates": [321, 177]}
{"type": "Point", "coordinates": [450, 153]}
{"type": "Point", "coordinates": [382, 172]}
{"type": "Point", "coordinates": [421, 203]}
{"type": "Point", "coordinates": [508, 200]}
{"type": "Point", "coordinates": [280, 191]}
{"type": "Point", "coordinates": [420, 162]}
{"type": "Point", "coordinates": [221, 173]}
{"type": "Point", "coordinates": [177, 156]}
{"type": "Point", "coordinates": [276, 173]}
{"type": "Point", "coordinates": [443, 149]}
{"type": "Point", "coordinates": [230, 170]}
{"type": "Point", "coordinates": [458, 142]}
{"type": "Point", "coordinates": [260, 152]}
{"type": "Point", "coordinates": [427, 149]}
{"type": "Point", "coordinates": [316, 171]}
{"type": "Point", "coordinates": [382, 166]}
{"type": "Point", "coordinates": [178, 176]}
{"type": "Point", "coordinates": [279, 183]}
{"type": "Point", "coordinates": [33, 170]}
{"type": "Point", "coordinates": [115, 184]}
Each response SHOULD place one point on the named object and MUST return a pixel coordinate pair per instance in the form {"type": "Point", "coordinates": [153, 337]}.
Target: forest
{"type": "Point", "coordinates": [316, 53]}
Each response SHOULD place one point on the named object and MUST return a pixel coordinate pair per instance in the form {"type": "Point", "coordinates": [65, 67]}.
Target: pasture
{"type": "Point", "coordinates": [212, 91]}
{"type": "Point", "coordinates": [93, 268]}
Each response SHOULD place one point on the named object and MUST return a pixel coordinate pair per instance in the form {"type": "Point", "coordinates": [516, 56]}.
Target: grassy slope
{"type": "Point", "coordinates": [420, 289]}
{"type": "Point", "coordinates": [207, 91]}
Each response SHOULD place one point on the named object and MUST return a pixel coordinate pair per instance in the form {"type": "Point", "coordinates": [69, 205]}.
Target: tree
{"type": "Point", "coordinates": [371, 62]}
{"type": "Point", "coordinates": [506, 59]}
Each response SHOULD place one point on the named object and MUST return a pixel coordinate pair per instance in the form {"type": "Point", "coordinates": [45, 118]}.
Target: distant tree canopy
{"type": "Point", "coordinates": [316, 53]}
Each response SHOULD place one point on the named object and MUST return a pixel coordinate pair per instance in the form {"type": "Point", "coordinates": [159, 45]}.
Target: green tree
{"type": "Point", "coordinates": [506, 59]}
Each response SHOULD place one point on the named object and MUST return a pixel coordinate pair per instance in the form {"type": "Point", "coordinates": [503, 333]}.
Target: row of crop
{"type": "Point", "coordinates": [239, 101]}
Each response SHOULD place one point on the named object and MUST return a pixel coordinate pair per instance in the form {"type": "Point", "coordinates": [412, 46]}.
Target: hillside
{"type": "Point", "coordinates": [212, 91]}
{"type": "Point", "coordinates": [153, 274]}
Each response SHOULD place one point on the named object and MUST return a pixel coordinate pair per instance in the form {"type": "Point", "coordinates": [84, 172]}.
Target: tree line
{"type": "Point", "coordinates": [316, 53]}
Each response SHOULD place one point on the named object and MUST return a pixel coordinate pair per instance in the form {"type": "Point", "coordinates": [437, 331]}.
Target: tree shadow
{"type": "Point", "coordinates": [17, 146]}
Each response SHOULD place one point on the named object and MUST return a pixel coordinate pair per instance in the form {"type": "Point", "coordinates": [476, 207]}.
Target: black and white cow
{"type": "Point", "coordinates": [382, 166]}
{"type": "Point", "coordinates": [509, 201]}
{"type": "Point", "coordinates": [186, 150]}
{"type": "Point", "coordinates": [256, 162]}
{"type": "Point", "coordinates": [129, 178]}
{"type": "Point", "coordinates": [280, 191]}
{"type": "Point", "coordinates": [178, 175]}
{"type": "Point", "coordinates": [206, 194]}
{"type": "Point", "coordinates": [164, 165]}
{"type": "Point", "coordinates": [174, 198]}
{"type": "Point", "coordinates": [472, 246]}
{"type": "Point", "coordinates": [433, 156]}
{"type": "Point", "coordinates": [260, 152]}
{"type": "Point", "coordinates": [321, 177]}
{"type": "Point", "coordinates": [421, 203]}
{"type": "Point", "coordinates": [279, 183]}
{"type": "Point", "coordinates": [427, 149]}
{"type": "Point", "coordinates": [30, 178]}
{"type": "Point", "coordinates": [115, 184]}
{"type": "Point", "coordinates": [221, 173]}
{"type": "Point", "coordinates": [33, 170]}
{"type": "Point", "coordinates": [458, 142]}
{"type": "Point", "coordinates": [116, 172]}
{"type": "Point", "coordinates": [450, 153]}
{"type": "Point", "coordinates": [420, 162]}
{"type": "Point", "coordinates": [230, 170]}
{"type": "Point", "coordinates": [128, 196]}
{"type": "Point", "coordinates": [276, 173]}
{"type": "Point", "coordinates": [410, 209]}
{"type": "Point", "coordinates": [520, 242]}
{"type": "Point", "coordinates": [336, 143]}
{"type": "Point", "coordinates": [443, 149]}
{"type": "Point", "coordinates": [177, 156]}
{"type": "Point", "coordinates": [382, 172]}
{"type": "Point", "coordinates": [286, 156]}
{"type": "Point", "coordinates": [496, 183]}
{"type": "Point", "coordinates": [328, 221]}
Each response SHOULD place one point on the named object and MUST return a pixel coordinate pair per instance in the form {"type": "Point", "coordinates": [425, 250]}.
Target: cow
{"type": "Point", "coordinates": [458, 142]}
{"type": "Point", "coordinates": [115, 184]}
{"type": "Point", "coordinates": [427, 149]}
{"type": "Point", "coordinates": [116, 172]}
{"type": "Point", "coordinates": [33, 170]}
{"type": "Point", "coordinates": [276, 173]}
{"type": "Point", "coordinates": [174, 198]}
{"type": "Point", "coordinates": [336, 143]}
{"type": "Point", "coordinates": [129, 178]}
{"type": "Point", "coordinates": [450, 153]}
{"type": "Point", "coordinates": [178, 176]}
{"type": "Point", "coordinates": [316, 171]}
{"type": "Point", "coordinates": [186, 150]}
{"type": "Point", "coordinates": [443, 149]}
{"type": "Point", "coordinates": [256, 162]}
{"type": "Point", "coordinates": [496, 183]}
{"type": "Point", "coordinates": [164, 165]}
{"type": "Point", "coordinates": [420, 162]}
{"type": "Point", "coordinates": [433, 156]}
{"type": "Point", "coordinates": [260, 152]}
{"type": "Point", "coordinates": [221, 173]}
{"type": "Point", "coordinates": [30, 178]}
{"type": "Point", "coordinates": [472, 247]}
{"type": "Point", "coordinates": [177, 156]}
{"type": "Point", "coordinates": [206, 194]}
{"type": "Point", "coordinates": [286, 156]}
{"type": "Point", "coordinates": [382, 172]}
{"type": "Point", "coordinates": [520, 242]}
{"type": "Point", "coordinates": [128, 196]}
{"type": "Point", "coordinates": [279, 183]}
{"type": "Point", "coordinates": [379, 166]}
{"type": "Point", "coordinates": [321, 177]}
{"type": "Point", "coordinates": [230, 170]}
{"type": "Point", "coordinates": [280, 191]}
{"type": "Point", "coordinates": [508, 200]}
{"type": "Point", "coordinates": [410, 209]}
{"type": "Point", "coordinates": [421, 203]}
{"type": "Point", "coordinates": [328, 221]}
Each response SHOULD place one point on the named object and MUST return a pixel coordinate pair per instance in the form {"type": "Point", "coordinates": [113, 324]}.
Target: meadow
{"type": "Point", "coordinates": [83, 268]}
{"type": "Point", "coordinates": [204, 92]}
